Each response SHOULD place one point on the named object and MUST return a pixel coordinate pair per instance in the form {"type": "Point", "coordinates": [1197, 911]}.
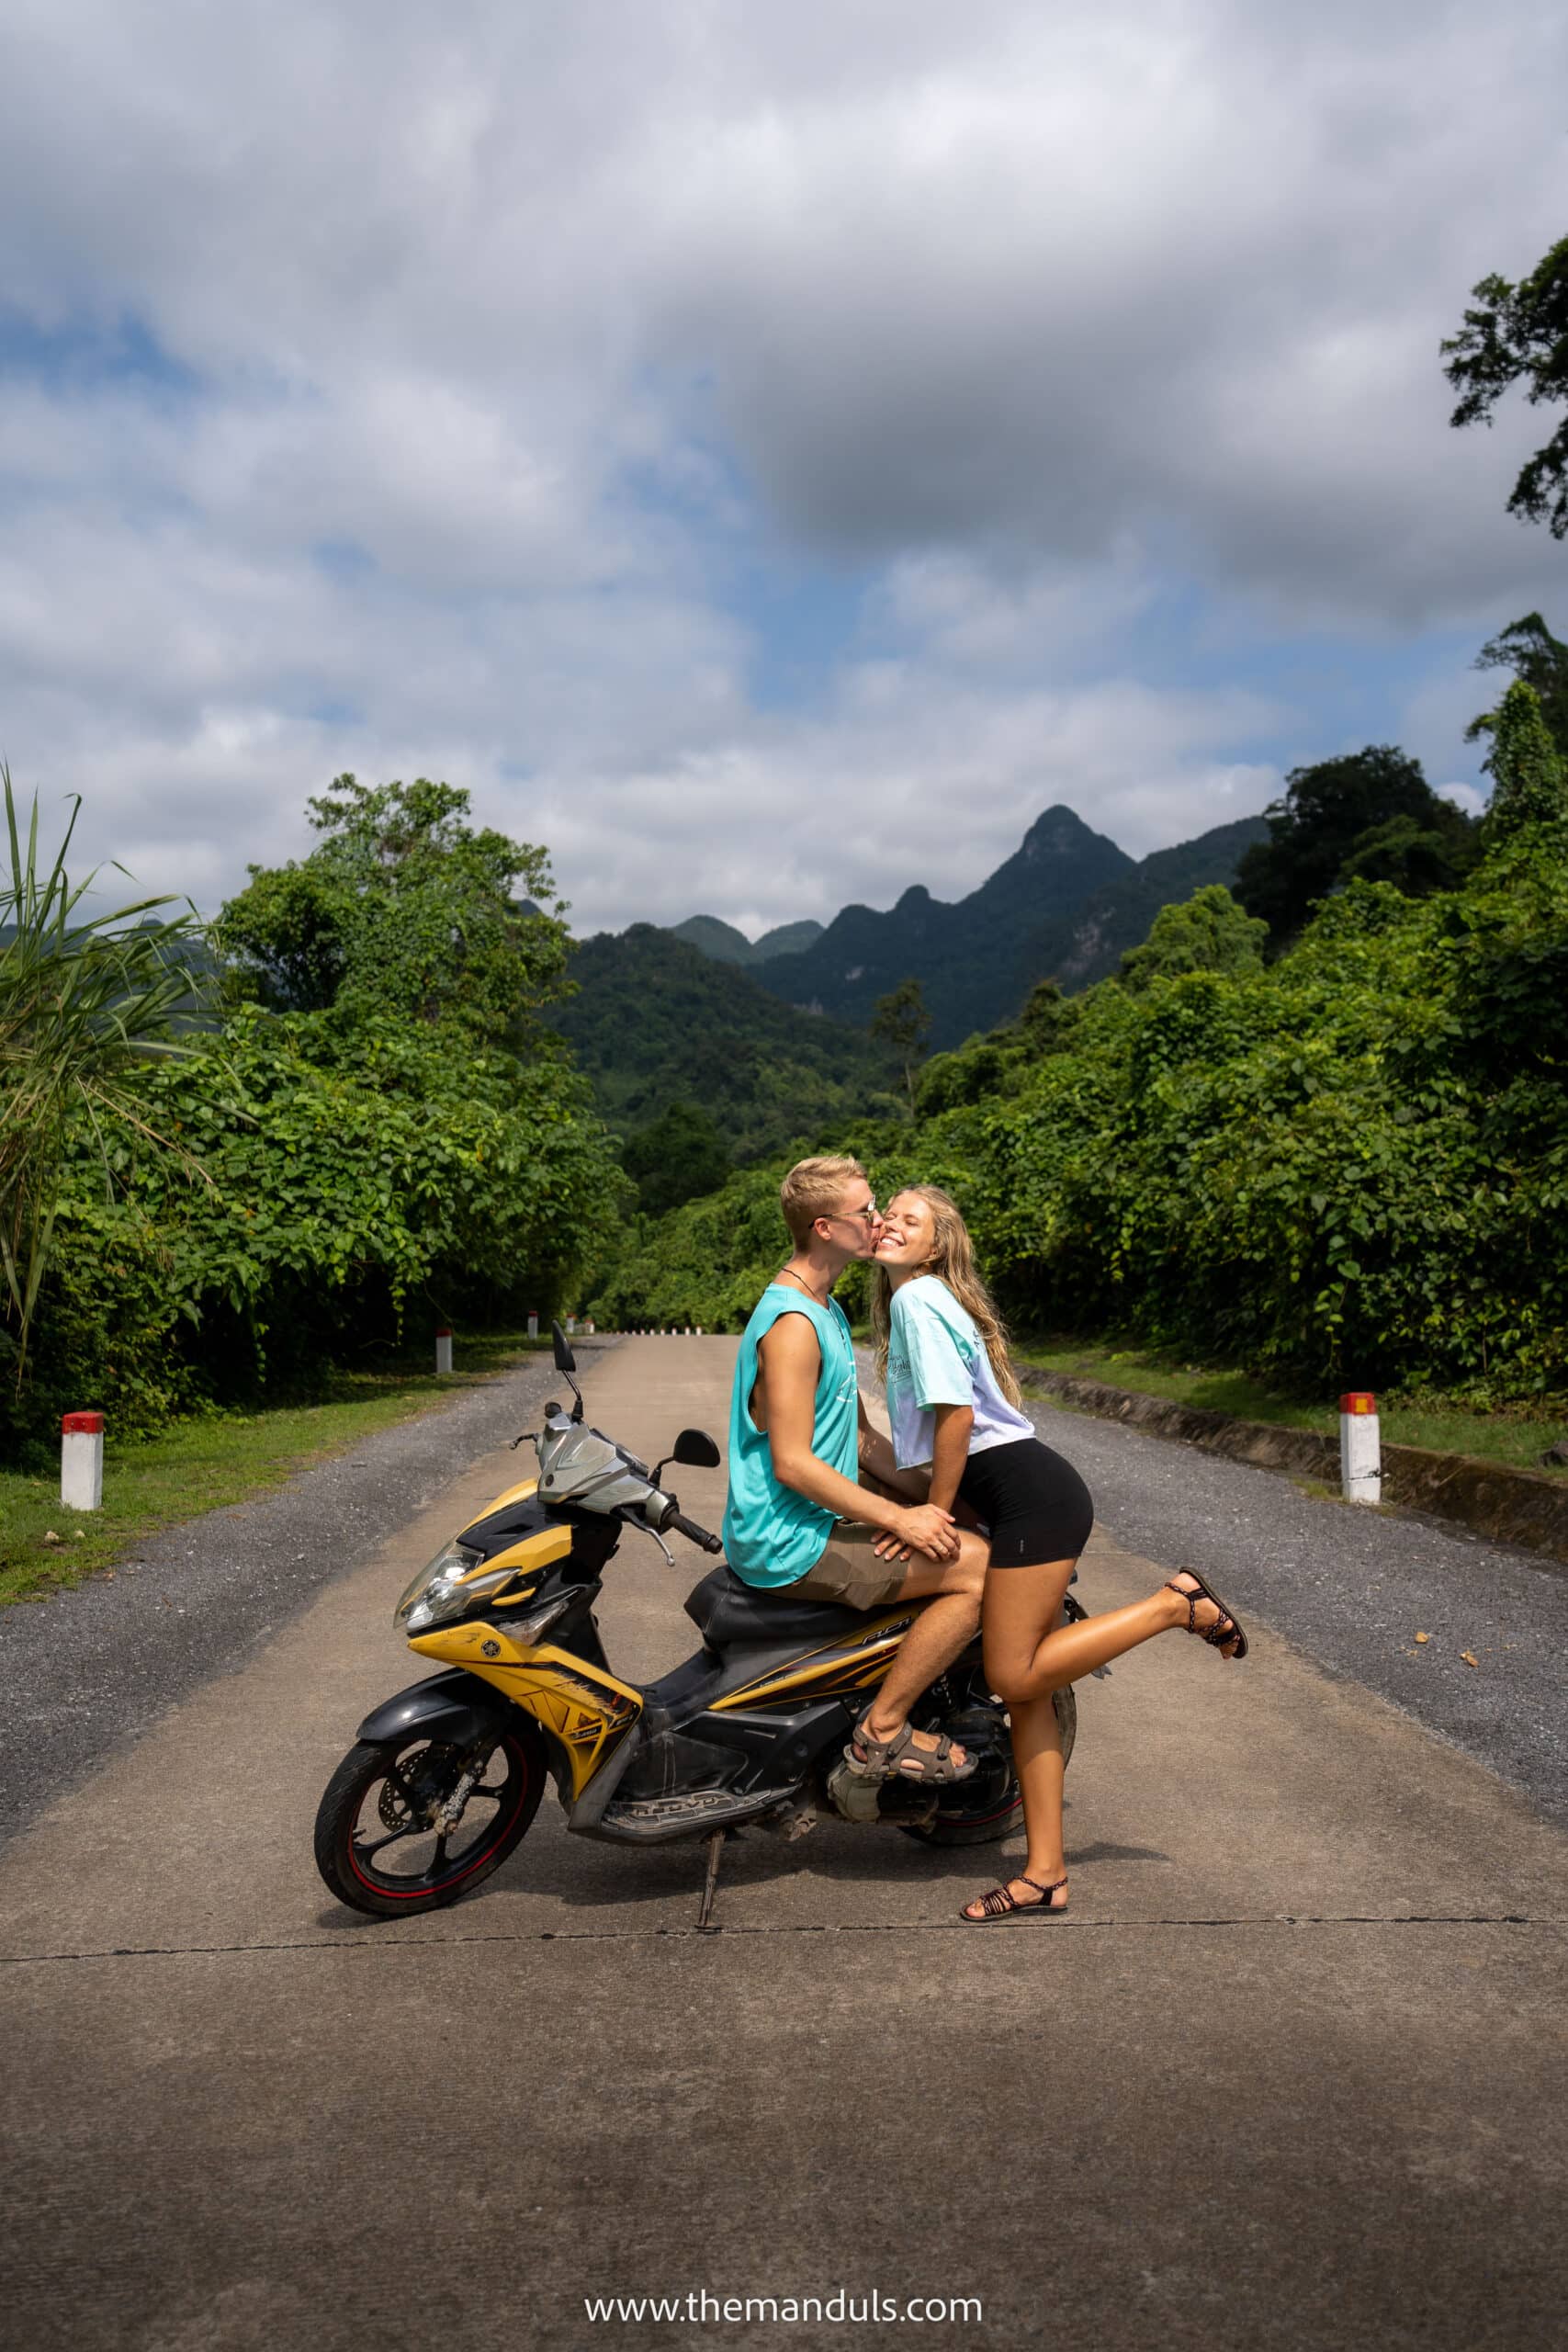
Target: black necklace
{"type": "Point", "coordinates": [805, 1285]}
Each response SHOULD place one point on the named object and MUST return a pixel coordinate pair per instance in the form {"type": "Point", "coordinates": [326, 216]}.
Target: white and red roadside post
{"type": "Point", "coordinates": [82, 1461]}
{"type": "Point", "coordinates": [1360, 1449]}
{"type": "Point", "coordinates": [534, 1323]}
{"type": "Point", "coordinates": [444, 1348]}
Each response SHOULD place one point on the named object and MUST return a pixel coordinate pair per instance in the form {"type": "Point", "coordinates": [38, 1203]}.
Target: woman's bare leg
{"type": "Point", "coordinates": [1036, 1735]}
{"type": "Point", "coordinates": [1037, 1753]}
{"type": "Point", "coordinates": [1029, 1654]}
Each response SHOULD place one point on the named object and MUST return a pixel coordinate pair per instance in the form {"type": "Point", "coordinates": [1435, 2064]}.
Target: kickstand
{"type": "Point", "coordinates": [710, 1884]}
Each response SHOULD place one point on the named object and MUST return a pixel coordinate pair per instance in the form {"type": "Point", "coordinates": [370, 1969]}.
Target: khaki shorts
{"type": "Point", "coordinates": [850, 1573]}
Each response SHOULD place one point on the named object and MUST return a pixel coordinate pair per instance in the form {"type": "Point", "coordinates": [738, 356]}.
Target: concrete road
{"type": "Point", "coordinates": [1292, 2074]}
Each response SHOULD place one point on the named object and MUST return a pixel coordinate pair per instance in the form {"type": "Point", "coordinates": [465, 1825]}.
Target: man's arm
{"type": "Point", "coordinates": [878, 1462]}
{"type": "Point", "coordinates": [790, 1360]}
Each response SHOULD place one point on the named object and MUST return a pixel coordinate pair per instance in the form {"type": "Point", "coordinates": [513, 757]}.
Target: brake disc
{"type": "Point", "coordinates": [393, 1804]}
{"type": "Point", "coordinates": [415, 1795]}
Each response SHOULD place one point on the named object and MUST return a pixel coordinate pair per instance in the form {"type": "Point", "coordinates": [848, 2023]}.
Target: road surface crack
{"type": "Point", "coordinates": [373, 1944]}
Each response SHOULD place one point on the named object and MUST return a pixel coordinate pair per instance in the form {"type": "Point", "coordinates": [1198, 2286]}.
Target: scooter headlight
{"type": "Point", "coordinates": [448, 1589]}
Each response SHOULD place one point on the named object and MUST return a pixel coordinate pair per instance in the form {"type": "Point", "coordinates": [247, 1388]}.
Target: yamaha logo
{"type": "Point", "coordinates": [489, 1649]}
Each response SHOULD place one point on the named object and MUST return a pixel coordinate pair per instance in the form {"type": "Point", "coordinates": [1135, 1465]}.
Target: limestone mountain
{"type": "Point", "coordinates": [729, 946]}
{"type": "Point", "coordinates": [973, 958]}
{"type": "Point", "coordinates": [1087, 944]}
{"type": "Point", "coordinates": [1067, 905]}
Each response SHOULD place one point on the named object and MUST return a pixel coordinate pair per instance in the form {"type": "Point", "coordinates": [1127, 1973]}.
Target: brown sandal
{"type": "Point", "coordinates": [1000, 1904]}
{"type": "Point", "coordinates": [1227, 1628]}
{"type": "Point", "coordinates": [900, 1759]}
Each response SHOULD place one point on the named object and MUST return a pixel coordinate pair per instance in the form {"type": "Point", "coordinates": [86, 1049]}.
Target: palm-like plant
{"type": "Point", "coordinates": [84, 996]}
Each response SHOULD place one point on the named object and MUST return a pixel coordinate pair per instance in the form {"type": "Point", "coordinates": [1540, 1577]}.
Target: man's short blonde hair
{"type": "Point", "coordinates": [812, 1188]}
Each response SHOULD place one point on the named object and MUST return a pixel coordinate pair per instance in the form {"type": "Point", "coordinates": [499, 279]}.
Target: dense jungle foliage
{"type": "Point", "coordinates": [1349, 1162]}
{"type": "Point", "coordinates": [370, 1129]}
{"type": "Point", "coordinates": [655, 1023]}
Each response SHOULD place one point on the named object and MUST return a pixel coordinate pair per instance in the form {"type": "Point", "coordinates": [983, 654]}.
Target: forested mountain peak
{"type": "Point", "coordinates": [682, 1015]}
{"type": "Point", "coordinates": [727, 946]}
{"type": "Point", "coordinates": [1089, 941]}
{"type": "Point", "coordinates": [1057, 831]}
{"type": "Point", "coordinates": [972, 956]}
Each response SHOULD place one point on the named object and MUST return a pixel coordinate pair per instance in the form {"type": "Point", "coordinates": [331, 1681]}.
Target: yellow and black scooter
{"type": "Point", "coordinates": [446, 1777]}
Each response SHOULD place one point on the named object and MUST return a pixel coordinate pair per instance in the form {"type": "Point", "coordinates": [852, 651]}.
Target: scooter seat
{"type": "Point", "coordinates": [731, 1614]}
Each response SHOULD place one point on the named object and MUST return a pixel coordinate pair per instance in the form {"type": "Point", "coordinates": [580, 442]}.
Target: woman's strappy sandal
{"type": "Point", "coordinates": [899, 1759]}
{"type": "Point", "coordinates": [1227, 1628]}
{"type": "Point", "coordinates": [1001, 1905]}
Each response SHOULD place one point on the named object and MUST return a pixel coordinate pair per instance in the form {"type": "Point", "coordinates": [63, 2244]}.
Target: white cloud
{"type": "Point", "coordinates": [510, 347]}
{"type": "Point", "coordinates": [912, 777]}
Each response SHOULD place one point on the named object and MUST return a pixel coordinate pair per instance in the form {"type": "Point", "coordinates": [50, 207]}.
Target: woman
{"type": "Point", "coordinates": [953, 1405]}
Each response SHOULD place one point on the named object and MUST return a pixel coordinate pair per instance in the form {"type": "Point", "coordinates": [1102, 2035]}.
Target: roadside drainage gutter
{"type": "Point", "coordinates": [1516, 1506]}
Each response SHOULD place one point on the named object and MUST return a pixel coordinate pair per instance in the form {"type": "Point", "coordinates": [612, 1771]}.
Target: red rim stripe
{"type": "Point", "coordinates": [412, 1894]}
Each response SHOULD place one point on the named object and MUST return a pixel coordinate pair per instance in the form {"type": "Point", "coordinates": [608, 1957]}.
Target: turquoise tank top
{"type": "Point", "coordinates": [773, 1535]}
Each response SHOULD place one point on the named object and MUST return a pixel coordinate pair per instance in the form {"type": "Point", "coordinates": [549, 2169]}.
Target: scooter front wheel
{"type": "Point", "coordinates": [409, 1825]}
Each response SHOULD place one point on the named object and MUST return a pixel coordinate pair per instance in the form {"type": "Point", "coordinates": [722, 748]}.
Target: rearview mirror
{"type": "Point", "coordinates": [564, 1359]}
{"type": "Point", "coordinates": [697, 1447]}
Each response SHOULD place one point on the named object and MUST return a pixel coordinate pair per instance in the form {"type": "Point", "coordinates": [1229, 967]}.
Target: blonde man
{"type": "Point", "coordinates": [797, 1521]}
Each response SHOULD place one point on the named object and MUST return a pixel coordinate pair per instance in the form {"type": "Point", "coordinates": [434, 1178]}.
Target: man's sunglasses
{"type": "Point", "coordinates": [870, 1215]}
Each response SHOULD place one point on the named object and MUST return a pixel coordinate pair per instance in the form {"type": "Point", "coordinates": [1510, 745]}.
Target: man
{"type": "Point", "coordinates": [797, 1521]}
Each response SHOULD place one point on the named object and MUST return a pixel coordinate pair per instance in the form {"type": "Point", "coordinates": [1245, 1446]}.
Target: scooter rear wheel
{"type": "Point", "coordinates": [994, 1813]}
{"type": "Point", "coordinates": [380, 1845]}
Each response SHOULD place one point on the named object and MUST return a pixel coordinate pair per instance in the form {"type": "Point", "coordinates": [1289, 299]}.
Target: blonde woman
{"type": "Point", "coordinates": [953, 1405]}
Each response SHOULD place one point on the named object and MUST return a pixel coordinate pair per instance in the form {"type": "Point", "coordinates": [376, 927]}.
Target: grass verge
{"type": "Point", "coordinates": [224, 1457]}
{"type": "Point", "coordinates": [1514, 1435]}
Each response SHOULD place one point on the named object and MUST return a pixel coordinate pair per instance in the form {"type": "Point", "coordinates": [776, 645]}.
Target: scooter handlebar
{"type": "Point", "coordinates": [693, 1534]}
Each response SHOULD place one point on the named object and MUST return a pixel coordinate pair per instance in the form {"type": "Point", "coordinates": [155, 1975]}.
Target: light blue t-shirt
{"type": "Point", "coordinates": [936, 1356]}
{"type": "Point", "coordinates": [771, 1535]}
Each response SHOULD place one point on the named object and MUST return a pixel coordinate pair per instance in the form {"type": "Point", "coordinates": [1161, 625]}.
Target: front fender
{"type": "Point", "coordinates": [455, 1706]}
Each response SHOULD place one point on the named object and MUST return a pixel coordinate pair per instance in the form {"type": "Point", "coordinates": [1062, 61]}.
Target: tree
{"type": "Point", "coordinates": [1047, 1021]}
{"type": "Point", "coordinates": [1528, 648]}
{"type": "Point", "coordinates": [679, 1158]}
{"type": "Point", "coordinates": [84, 997]}
{"type": "Point", "coordinates": [1324, 820]}
{"type": "Point", "coordinates": [1209, 932]}
{"type": "Point", "coordinates": [1530, 775]}
{"type": "Point", "coordinates": [968, 1074]}
{"type": "Point", "coordinates": [901, 1022]}
{"type": "Point", "coordinates": [404, 908]}
{"type": "Point", "coordinates": [1519, 333]}
{"type": "Point", "coordinates": [1418, 859]}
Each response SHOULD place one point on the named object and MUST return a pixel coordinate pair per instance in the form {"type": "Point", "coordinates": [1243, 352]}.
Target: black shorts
{"type": "Point", "coordinates": [1034, 1503]}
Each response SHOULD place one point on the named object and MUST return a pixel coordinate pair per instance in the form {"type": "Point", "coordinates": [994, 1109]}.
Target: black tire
{"type": "Point", "coordinates": [412, 1774]}
{"type": "Point", "coordinates": [995, 1807]}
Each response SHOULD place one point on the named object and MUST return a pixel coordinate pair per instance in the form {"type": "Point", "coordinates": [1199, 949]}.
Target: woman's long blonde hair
{"type": "Point", "coordinates": [953, 1261]}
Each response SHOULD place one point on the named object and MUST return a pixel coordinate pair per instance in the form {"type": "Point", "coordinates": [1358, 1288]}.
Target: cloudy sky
{"type": "Point", "coordinates": [768, 453]}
